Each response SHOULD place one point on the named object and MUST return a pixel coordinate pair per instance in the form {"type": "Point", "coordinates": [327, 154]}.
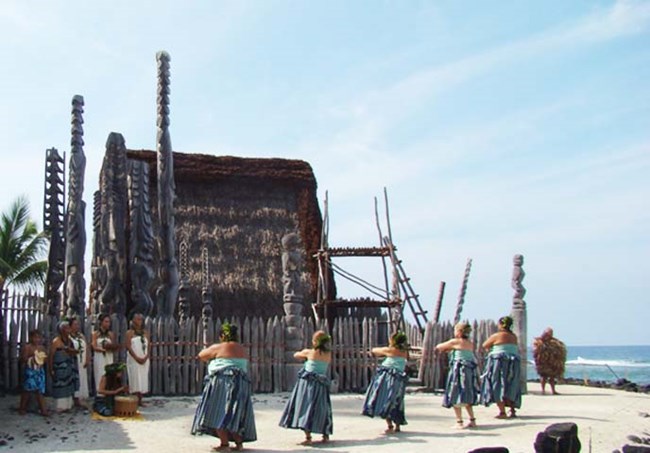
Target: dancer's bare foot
{"type": "Point", "coordinates": [471, 424]}
{"type": "Point", "coordinates": [459, 424]}
{"type": "Point", "coordinates": [222, 447]}
{"type": "Point", "coordinates": [307, 441]}
{"type": "Point", "coordinates": [239, 446]}
{"type": "Point", "coordinates": [326, 438]}
{"type": "Point", "coordinates": [397, 429]}
{"type": "Point", "coordinates": [501, 415]}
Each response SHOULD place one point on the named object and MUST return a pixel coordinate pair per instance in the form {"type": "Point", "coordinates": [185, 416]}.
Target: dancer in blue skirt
{"type": "Point", "coordinates": [226, 408]}
{"type": "Point", "coordinates": [309, 408]}
{"type": "Point", "coordinates": [385, 395]}
{"type": "Point", "coordinates": [500, 379]}
{"type": "Point", "coordinates": [462, 388]}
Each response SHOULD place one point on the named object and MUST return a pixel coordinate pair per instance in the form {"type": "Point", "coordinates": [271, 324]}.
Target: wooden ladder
{"type": "Point", "coordinates": [410, 297]}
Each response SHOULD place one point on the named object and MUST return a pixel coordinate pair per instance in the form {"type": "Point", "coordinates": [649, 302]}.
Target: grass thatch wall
{"type": "Point", "coordinates": [239, 209]}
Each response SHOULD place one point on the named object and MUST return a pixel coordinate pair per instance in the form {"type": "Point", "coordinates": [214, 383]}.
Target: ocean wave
{"type": "Point", "coordinates": [612, 363]}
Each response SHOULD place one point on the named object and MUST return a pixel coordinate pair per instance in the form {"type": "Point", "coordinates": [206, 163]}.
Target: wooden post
{"type": "Point", "coordinates": [365, 350]}
{"type": "Point", "coordinates": [268, 354]}
{"type": "Point", "coordinates": [255, 356]}
{"type": "Point", "coordinates": [383, 258]}
{"type": "Point", "coordinates": [441, 293]}
{"type": "Point", "coordinates": [202, 328]}
{"type": "Point", "coordinates": [13, 354]}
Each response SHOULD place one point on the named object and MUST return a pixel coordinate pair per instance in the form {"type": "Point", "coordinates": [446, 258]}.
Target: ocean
{"type": "Point", "coordinates": [604, 363]}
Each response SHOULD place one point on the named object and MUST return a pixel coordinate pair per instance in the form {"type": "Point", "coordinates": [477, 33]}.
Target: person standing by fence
{"type": "Point", "coordinates": [103, 343]}
{"type": "Point", "coordinates": [63, 368]}
{"type": "Point", "coordinates": [137, 358]}
{"type": "Point", "coordinates": [33, 357]}
{"type": "Point", "coordinates": [500, 379]}
{"type": "Point", "coordinates": [83, 360]}
{"type": "Point", "coordinates": [309, 408]}
{"type": "Point", "coordinates": [226, 407]}
{"type": "Point", "coordinates": [462, 388]}
{"type": "Point", "coordinates": [385, 395]}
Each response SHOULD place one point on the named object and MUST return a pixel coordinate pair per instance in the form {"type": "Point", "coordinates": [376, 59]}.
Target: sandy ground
{"type": "Point", "coordinates": [605, 418]}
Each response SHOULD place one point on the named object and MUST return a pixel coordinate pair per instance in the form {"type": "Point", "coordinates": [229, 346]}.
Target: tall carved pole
{"type": "Point", "coordinates": [168, 290]}
{"type": "Point", "coordinates": [519, 316]}
{"type": "Point", "coordinates": [141, 239]}
{"type": "Point", "coordinates": [293, 303]}
{"type": "Point", "coordinates": [463, 291]}
{"type": "Point", "coordinates": [114, 218]}
{"type": "Point", "coordinates": [54, 226]}
{"type": "Point", "coordinates": [441, 294]}
{"type": "Point", "coordinates": [76, 216]}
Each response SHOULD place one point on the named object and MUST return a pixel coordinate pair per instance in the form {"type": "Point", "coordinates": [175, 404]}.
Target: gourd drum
{"type": "Point", "coordinates": [125, 406]}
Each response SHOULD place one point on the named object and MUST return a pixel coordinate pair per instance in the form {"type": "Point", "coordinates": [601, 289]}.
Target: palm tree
{"type": "Point", "coordinates": [21, 248]}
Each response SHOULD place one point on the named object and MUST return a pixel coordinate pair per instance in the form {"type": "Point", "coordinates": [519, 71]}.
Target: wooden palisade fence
{"type": "Point", "coordinates": [175, 369]}
{"type": "Point", "coordinates": [19, 314]}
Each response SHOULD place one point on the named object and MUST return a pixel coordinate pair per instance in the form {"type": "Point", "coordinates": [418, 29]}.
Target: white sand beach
{"type": "Point", "coordinates": [605, 418]}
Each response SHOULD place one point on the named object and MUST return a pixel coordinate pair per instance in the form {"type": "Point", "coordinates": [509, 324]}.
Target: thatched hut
{"type": "Point", "coordinates": [231, 214]}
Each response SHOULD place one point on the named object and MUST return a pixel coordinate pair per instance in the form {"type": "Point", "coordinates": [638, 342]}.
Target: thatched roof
{"type": "Point", "coordinates": [206, 168]}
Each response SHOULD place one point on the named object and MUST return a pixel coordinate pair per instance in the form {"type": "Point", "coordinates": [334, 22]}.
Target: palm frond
{"type": "Point", "coordinates": [21, 247]}
{"type": "Point", "coordinates": [32, 251]}
{"type": "Point", "coordinates": [31, 276]}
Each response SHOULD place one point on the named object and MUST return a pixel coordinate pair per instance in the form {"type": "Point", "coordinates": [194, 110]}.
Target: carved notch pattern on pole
{"type": "Point", "coordinates": [54, 226]}
{"type": "Point", "coordinates": [183, 271]}
{"type": "Point", "coordinates": [206, 290]}
{"type": "Point", "coordinates": [167, 292]}
{"type": "Point", "coordinates": [463, 291]}
{"type": "Point", "coordinates": [76, 216]}
{"type": "Point", "coordinates": [97, 274]}
{"type": "Point", "coordinates": [183, 260]}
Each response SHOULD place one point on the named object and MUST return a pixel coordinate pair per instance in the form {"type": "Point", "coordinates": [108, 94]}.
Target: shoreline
{"type": "Point", "coordinates": [620, 384]}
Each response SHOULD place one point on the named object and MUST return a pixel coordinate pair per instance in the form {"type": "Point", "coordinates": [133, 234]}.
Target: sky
{"type": "Point", "coordinates": [498, 128]}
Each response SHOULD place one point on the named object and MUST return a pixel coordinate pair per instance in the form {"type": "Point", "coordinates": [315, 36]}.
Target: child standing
{"type": "Point", "coordinates": [33, 357]}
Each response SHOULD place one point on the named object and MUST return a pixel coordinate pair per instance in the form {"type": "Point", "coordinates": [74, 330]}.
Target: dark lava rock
{"type": "Point", "coordinates": [558, 438]}
{"type": "Point", "coordinates": [635, 449]}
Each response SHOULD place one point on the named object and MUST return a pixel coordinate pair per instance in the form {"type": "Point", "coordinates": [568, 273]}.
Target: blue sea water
{"type": "Point", "coordinates": [604, 363]}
